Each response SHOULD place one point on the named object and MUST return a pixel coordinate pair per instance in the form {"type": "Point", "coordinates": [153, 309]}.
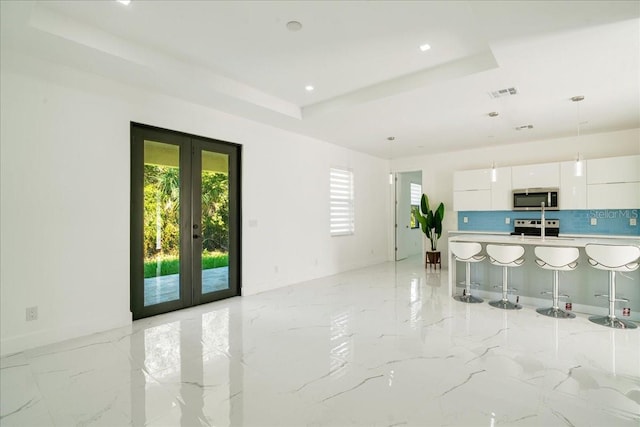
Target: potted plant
{"type": "Point", "coordinates": [431, 224]}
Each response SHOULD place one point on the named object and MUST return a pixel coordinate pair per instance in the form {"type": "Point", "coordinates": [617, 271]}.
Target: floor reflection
{"type": "Point", "coordinates": [340, 339]}
{"type": "Point", "coordinates": [192, 358]}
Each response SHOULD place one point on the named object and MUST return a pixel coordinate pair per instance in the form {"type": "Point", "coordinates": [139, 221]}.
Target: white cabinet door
{"type": "Point", "coordinates": [614, 169]}
{"type": "Point", "coordinates": [479, 179]}
{"type": "Point", "coordinates": [476, 200]}
{"type": "Point", "coordinates": [573, 189]}
{"type": "Point", "coordinates": [624, 195]}
{"type": "Point", "coordinates": [545, 175]}
{"type": "Point", "coordinates": [501, 193]}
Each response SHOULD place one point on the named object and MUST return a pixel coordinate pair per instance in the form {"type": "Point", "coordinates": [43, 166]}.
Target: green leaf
{"type": "Point", "coordinates": [424, 204]}
{"type": "Point", "coordinates": [438, 217]}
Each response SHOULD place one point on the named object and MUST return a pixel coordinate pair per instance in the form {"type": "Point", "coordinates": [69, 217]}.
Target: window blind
{"type": "Point", "coordinates": [341, 208]}
{"type": "Point", "coordinates": [416, 194]}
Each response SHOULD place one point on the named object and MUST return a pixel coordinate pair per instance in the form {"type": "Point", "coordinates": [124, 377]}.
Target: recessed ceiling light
{"type": "Point", "coordinates": [124, 2]}
{"type": "Point", "coordinates": [425, 47]}
{"type": "Point", "coordinates": [391, 138]}
{"type": "Point", "coordinates": [493, 114]}
{"type": "Point", "coordinates": [577, 98]}
{"type": "Point", "coordinates": [309, 88]}
{"type": "Point", "coordinates": [294, 26]}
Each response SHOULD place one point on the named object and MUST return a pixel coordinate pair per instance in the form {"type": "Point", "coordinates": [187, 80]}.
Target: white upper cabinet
{"type": "Point", "coordinates": [478, 179]}
{"type": "Point", "coordinates": [545, 175]}
{"type": "Point", "coordinates": [472, 190]}
{"type": "Point", "coordinates": [619, 195]}
{"type": "Point", "coordinates": [501, 193]}
{"type": "Point", "coordinates": [573, 188]}
{"type": "Point", "coordinates": [472, 200]}
{"type": "Point", "coordinates": [613, 183]}
{"type": "Point", "coordinates": [614, 170]}
{"type": "Point", "coordinates": [610, 183]}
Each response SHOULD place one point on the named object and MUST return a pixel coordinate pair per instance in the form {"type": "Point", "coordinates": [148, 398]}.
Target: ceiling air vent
{"type": "Point", "coordinates": [523, 127]}
{"type": "Point", "coordinates": [503, 92]}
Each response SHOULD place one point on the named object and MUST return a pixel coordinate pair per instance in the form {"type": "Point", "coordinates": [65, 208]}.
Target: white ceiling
{"type": "Point", "coordinates": [371, 80]}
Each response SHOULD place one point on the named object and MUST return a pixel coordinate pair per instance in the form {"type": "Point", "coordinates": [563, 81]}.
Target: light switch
{"type": "Point", "coordinates": [594, 221]}
{"type": "Point", "coordinates": [633, 221]}
{"type": "Point", "coordinates": [465, 219]}
{"type": "Point", "coordinates": [507, 220]}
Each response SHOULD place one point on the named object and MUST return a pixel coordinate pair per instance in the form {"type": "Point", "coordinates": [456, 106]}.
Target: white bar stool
{"type": "Point", "coordinates": [613, 258]}
{"type": "Point", "coordinates": [505, 256]}
{"type": "Point", "coordinates": [556, 259]}
{"type": "Point", "coordinates": [467, 252]}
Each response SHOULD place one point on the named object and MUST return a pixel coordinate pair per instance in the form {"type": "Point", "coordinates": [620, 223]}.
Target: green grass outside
{"type": "Point", "coordinates": [171, 264]}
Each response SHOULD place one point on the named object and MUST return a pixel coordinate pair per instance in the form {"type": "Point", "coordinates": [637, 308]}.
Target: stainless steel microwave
{"type": "Point", "coordinates": [531, 199]}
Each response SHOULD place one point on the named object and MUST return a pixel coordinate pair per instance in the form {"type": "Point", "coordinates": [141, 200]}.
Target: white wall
{"type": "Point", "coordinates": [64, 148]}
{"type": "Point", "coordinates": [438, 169]}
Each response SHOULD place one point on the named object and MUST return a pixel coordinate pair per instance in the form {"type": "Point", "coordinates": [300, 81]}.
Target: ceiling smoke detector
{"type": "Point", "coordinates": [523, 127]}
{"type": "Point", "coordinates": [503, 92]}
{"type": "Point", "coordinates": [493, 114]}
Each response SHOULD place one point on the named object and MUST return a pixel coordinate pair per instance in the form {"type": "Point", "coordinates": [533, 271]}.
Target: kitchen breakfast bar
{"type": "Point", "coordinates": [531, 281]}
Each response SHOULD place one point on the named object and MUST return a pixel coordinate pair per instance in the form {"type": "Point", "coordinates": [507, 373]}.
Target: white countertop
{"type": "Point", "coordinates": [562, 240]}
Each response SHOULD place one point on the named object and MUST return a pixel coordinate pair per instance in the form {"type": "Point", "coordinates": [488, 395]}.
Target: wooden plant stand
{"type": "Point", "coordinates": [433, 260]}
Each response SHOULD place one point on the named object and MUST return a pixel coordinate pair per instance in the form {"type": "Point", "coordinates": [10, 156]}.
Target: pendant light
{"type": "Point", "coordinates": [494, 172]}
{"type": "Point", "coordinates": [578, 169]}
{"type": "Point", "coordinates": [391, 139]}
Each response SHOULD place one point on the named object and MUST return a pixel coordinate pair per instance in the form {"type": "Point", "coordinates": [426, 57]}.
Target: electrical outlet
{"type": "Point", "coordinates": [465, 219]}
{"type": "Point", "coordinates": [507, 220]}
{"type": "Point", "coordinates": [594, 221]}
{"type": "Point", "coordinates": [32, 313]}
{"type": "Point", "coordinates": [633, 222]}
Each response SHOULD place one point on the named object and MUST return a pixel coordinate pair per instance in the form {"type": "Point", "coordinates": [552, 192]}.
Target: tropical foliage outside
{"type": "Point", "coordinates": [162, 214]}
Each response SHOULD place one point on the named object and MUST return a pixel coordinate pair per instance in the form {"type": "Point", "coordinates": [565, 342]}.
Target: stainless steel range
{"type": "Point", "coordinates": [533, 227]}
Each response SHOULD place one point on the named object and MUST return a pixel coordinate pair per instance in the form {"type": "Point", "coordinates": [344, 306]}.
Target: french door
{"type": "Point", "coordinates": [185, 220]}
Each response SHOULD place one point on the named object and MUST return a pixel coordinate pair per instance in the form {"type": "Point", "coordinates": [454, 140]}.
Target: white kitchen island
{"type": "Point", "coordinates": [531, 280]}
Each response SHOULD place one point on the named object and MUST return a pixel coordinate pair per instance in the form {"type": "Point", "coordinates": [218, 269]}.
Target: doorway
{"type": "Point", "coordinates": [185, 220]}
{"type": "Point", "coordinates": [407, 196]}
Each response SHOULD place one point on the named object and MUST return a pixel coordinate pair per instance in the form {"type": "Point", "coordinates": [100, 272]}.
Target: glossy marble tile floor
{"type": "Point", "coordinates": [380, 346]}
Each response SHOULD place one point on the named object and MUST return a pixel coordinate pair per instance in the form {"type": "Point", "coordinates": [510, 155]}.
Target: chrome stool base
{"type": "Point", "coordinates": [468, 298]}
{"type": "Point", "coordinates": [555, 312]}
{"type": "Point", "coordinates": [613, 322]}
{"type": "Point", "coordinates": [505, 305]}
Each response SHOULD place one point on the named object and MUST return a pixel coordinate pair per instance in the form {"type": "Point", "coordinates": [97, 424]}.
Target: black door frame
{"type": "Point", "coordinates": [190, 148]}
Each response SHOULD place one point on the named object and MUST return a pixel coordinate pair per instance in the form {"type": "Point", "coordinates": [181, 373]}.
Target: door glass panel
{"type": "Point", "coordinates": [161, 222]}
{"type": "Point", "coordinates": [215, 221]}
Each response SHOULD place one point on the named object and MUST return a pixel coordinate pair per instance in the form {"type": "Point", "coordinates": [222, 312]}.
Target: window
{"type": "Point", "coordinates": [416, 194]}
{"type": "Point", "coordinates": [341, 210]}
